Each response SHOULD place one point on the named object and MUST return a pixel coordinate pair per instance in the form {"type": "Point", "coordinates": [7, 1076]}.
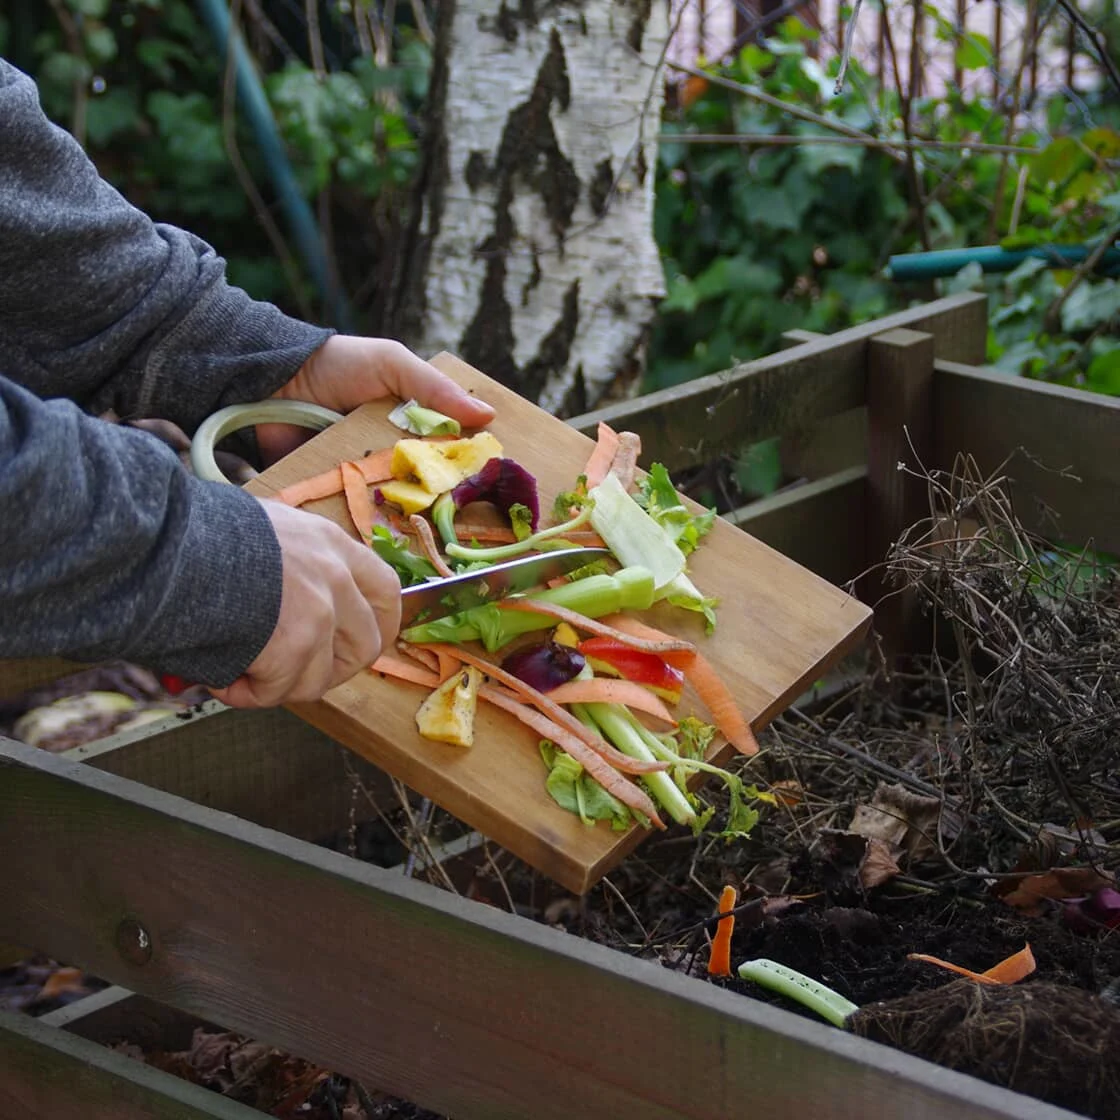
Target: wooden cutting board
{"type": "Point", "coordinates": [780, 628]}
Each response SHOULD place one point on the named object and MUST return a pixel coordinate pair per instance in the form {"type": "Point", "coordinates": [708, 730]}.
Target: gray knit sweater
{"type": "Point", "coordinates": [108, 548]}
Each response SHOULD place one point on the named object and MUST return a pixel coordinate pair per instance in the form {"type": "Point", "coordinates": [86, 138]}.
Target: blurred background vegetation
{"type": "Point", "coordinates": [778, 201]}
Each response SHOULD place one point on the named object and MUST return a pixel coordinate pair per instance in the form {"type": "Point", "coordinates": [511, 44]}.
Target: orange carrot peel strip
{"type": "Point", "coordinates": [719, 962]}
{"type": "Point", "coordinates": [357, 499]}
{"type": "Point", "coordinates": [607, 690]}
{"type": "Point", "coordinates": [595, 765]}
{"type": "Point", "coordinates": [714, 694]}
{"type": "Point", "coordinates": [1009, 971]}
{"type": "Point", "coordinates": [375, 468]}
{"type": "Point", "coordinates": [606, 448]}
{"type": "Point", "coordinates": [402, 670]}
{"type": "Point", "coordinates": [424, 656]}
{"type": "Point", "coordinates": [624, 465]}
{"type": "Point", "coordinates": [676, 651]}
{"type": "Point", "coordinates": [555, 713]}
{"type": "Point", "coordinates": [428, 544]}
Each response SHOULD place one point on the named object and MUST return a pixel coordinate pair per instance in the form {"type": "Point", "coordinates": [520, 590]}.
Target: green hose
{"type": "Point", "coordinates": [252, 99]}
{"type": "Point", "coordinates": [991, 258]}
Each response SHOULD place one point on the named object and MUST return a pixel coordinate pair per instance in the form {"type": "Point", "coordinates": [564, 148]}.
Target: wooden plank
{"type": "Point", "coordinates": [456, 1006]}
{"type": "Point", "coordinates": [19, 675]}
{"type": "Point", "coordinates": [686, 424]}
{"type": "Point", "coordinates": [780, 627]}
{"type": "Point", "coordinates": [900, 432]}
{"type": "Point", "coordinates": [266, 766]}
{"type": "Point", "coordinates": [991, 415]}
{"type": "Point", "coordinates": [820, 524]}
{"type": "Point", "coordinates": [117, 1015]}
{"type": "Point", "coordinates": [48, 1074]}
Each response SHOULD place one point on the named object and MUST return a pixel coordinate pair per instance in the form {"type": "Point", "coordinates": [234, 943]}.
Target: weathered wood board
{"type": "Point", "coordinates": [780, 627]}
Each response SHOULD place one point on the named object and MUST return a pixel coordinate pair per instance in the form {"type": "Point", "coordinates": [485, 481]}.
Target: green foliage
{"type": "Point", "coordinates": [141, 83]}
{"type": "Point", "coordinates": [757, 238]}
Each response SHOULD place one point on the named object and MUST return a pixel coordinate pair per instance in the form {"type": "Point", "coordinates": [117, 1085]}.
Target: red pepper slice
{"type": "Point", "coordinates": [655, 673]}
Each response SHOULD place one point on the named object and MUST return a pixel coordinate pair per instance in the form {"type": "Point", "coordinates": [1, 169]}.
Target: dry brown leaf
{"type": "Point", "coordinates": [878, 864]}
{"type": "Point", "coordinates": [1028, 893]}
{"type": "Point", "coordinates": [902, 819]}
{"type": "Point", "coordinates": [856, 861]}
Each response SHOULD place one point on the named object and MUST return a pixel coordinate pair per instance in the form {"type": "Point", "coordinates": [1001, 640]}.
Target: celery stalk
{"type": "Point", "coordinates": [613, 721]}
{"type": "Point", "coordinates": [628, 589]}
{"type": "Point", "coordinates": [632, 535]}
{"type": "Point", "coordinates": [802, 989]}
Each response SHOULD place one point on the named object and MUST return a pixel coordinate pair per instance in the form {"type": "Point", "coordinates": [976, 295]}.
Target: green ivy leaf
{"type": "Point", "coordinates": [1090, 305]}
{"type": "Point", "coordinates": [974, 51]}
{"type": "Point", "coordinates": [1103, 374]}
{"type": "Point", "coordinates": [1057, 162]}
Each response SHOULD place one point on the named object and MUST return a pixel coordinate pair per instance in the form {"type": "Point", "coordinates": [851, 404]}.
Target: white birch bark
{"type": "Point", "coordinates": [536, 257]}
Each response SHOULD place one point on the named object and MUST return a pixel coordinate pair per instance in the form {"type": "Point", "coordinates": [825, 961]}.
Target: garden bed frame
{"type": "Point", "coordinates": [176, 863]}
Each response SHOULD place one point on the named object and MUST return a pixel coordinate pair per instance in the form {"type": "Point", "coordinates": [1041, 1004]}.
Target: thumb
{"type": "Point", "coordinates": [238, 694]}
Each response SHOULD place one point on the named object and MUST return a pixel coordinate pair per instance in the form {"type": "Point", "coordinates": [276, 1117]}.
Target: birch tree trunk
{"type": "Point", "coordinates": [533, 257]}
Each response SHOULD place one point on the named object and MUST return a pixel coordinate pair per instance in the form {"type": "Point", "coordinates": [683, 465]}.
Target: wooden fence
{"type": "Point", "coordinates": [190, 902]}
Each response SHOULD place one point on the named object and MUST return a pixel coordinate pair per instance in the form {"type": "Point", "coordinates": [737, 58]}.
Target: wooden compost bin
{"type": "Point", "coordinates": [177, 864]}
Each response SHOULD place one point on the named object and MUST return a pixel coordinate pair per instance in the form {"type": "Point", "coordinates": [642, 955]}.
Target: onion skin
{"type": "Point", "coordinates": [544, 665]}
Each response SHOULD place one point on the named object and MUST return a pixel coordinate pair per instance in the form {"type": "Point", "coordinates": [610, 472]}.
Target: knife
{"type": "Point", "coordinates": [440, 597]}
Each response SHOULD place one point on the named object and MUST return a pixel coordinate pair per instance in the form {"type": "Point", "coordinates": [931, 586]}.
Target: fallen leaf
{"type": "Point", "coordinates": [900, 818]}
{"type": "Point", "coordinates": [853, 861]}
{"type": "Point", "coordinates": [878, 865]}
{"type": "Point", "coordinates": [1028, 893]}
{"type": "Point", "coordinates": [63, 981]}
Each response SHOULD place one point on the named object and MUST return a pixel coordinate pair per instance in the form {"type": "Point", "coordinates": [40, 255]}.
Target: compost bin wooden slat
{"type": "Point", "coordinates": [835, 507]}
{"type": "Point", "coordinates": [786, 391]}
{"type": "Point", "coordinates": [47, 1074]}
{"type": "Point", "coordinates": [269, 767]}
{"type": "Point", "coordinates": [991, 414]}
{"type": "Point", "coordinates": [19, 676]}
{"type": "Point", "coordinates": [451, 1004]}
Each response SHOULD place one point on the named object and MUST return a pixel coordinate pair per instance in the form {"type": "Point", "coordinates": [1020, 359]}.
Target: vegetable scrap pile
{"type": "Point", "coordinates": [600, 689]}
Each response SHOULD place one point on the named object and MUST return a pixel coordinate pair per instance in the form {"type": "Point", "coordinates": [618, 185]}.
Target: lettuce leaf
{"type": "Point", "coordinates": [573, 789]}
{"type": "Point", "coordinates": [659, 498]}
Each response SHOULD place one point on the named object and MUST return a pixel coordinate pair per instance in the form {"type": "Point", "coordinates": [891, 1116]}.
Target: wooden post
{"type": "Point", "coordinates": [900, 431]}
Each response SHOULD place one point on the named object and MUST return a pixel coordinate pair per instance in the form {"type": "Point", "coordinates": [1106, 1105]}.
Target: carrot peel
{"type": "Point", "coordinates": [357, 499]}
{"type": "Point", "coordinates": [1009, 971]}
{"type": "Point", "coordinates": [719, 961]}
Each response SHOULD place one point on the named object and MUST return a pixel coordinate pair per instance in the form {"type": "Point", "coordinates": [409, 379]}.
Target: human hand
{"type": "Point", "coordinates": [347, 371]}
{"type": "Point", "coordinates": [340, 606]}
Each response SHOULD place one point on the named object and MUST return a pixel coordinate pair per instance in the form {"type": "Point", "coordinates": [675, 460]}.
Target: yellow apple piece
{"type": "Point", "coordinates": [447, 715]}
{"type": "Point", "coordinates": [441, 465]}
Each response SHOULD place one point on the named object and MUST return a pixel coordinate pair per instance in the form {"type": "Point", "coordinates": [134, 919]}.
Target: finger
{"type": "Point", "coordinates": [408, 376]}
{"type": "Point", "coordinates": [380, 587]}
{"type": "Point", "coordinates": [277, 440]}
{"type": "Point", "coordinates": [358, 644]}
{"type": "Point", "coordinates": [239, 694]}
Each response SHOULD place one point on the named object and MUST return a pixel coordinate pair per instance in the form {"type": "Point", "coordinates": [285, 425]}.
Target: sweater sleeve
{"type": "Point", "coordinates": [100, 304]}
{"type": "Point", "coordinates": [110, 549]}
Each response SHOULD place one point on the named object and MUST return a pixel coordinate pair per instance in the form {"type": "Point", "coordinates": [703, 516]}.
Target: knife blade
{"type": "Point", "coordinates": [440, 597]}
